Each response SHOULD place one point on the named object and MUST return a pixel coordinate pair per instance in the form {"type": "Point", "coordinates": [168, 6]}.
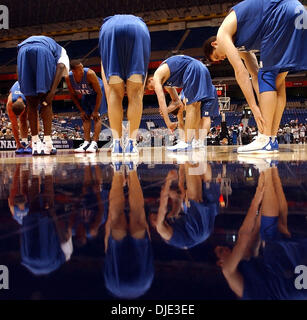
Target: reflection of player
{"type": "Point", "coordinates": [16, 107]}
{"type": "Point", "coordinates": [194, 78]}
{"type": "Point", "coordinates": [129, 269]}
{"type": "Point", "coordinates": [191, 219]}
{"type": "Point", "coordinates": [262, 263]}
{"type": "Point", "coordinates": [18, 198]}
{"type": "Point", "coordinates": [45, 242]}
{"type": "Point", "coordinates": [90, 209]}
{"type": "Point", "coordinates": [41, 64]}
{"type": "Point", "coordinates": [124, 44]}
{"type": "Point", "coordinates": [85, 83]}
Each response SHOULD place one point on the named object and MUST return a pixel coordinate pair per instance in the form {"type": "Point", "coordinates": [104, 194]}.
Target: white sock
{"type": "Point", "coordinates": [35, 138]}
{"type": "Point", "coordinates": [25, 140]}
{"type": "Point", "coordinates": [273, 138]}
{"type": "Point", "coordinates": [47, 139]}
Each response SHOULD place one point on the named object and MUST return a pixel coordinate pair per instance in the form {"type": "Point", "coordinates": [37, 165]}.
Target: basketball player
{"type": "Point", "coordinates": [194, 78]}
{"type": "Point", "coordinates": [275, 28]}
{"type": "Point", "coordinates": [16, 107]}
{"type": "Point", "coordinates": [129, 268]}
{"type": "Point", "coordinates": [193, 209]}
{"type": "Point", "coordinates": [261, 265]}
{"type": "Point", "coordinates": [124, 44]}
{"type": "Point", "coordinates": [41, 64]}
{"type": "Point", "coordinates": [85, 83]}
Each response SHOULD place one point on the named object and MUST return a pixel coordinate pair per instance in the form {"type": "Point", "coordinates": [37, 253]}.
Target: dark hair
{"type": "Point", "coordinates": [74, 64]}
{"type": "Point", "coordinates": [18, 107]}
{"type": "Point", "coordinates": [207, 47]}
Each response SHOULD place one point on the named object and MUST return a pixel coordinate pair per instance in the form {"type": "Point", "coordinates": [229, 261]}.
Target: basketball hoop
{"type": "Point", "coordinates": [224, 103]}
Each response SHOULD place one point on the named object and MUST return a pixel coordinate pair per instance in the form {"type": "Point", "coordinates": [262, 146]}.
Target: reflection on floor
{"type": "Point", "coordinates": [209, 224]}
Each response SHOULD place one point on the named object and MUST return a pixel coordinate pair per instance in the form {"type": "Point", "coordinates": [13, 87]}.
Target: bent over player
{"type": "Point", "coordinates": [16, 108]}
{"type": "Point", "coordinates": [41, 64]}
{"type": "Point", "coordinates": [124, 44]}
{"type": "Point", "coordinates": [84, 82]}
{"type": "Point", "coordinates": [200, 95]}
{"type": "Point", "coordinates": [273, 27]}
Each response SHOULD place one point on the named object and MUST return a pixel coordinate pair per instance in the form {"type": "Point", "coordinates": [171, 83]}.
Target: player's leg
{"type": "Point", "coordinates": [193, 183]}
{"type": "Point", "coordinates": [191, 121]}
{"type": "Point", "coordinates": [281, 104]}
{"type": "Point", "coordinates": [135, 92]}
{"type": "Point", "coordinates": [47, 116]}
{"type": "Point", "coordinates": [32, 111]}
{"type": "Point", "coordinates": [138, 224]}
{"type": "Point", "coordinates": [195, 142]}
{"type": "Point", "coordinates": [268, 105]}
{"type": "Point", "coordinates": [118, 222]}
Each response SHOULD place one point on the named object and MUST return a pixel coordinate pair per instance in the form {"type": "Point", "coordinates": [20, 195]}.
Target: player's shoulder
{"type": "Point", "coordinates": [90, 73]}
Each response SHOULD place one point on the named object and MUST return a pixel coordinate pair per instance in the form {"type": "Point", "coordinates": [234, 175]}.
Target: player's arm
{"type": "Point", "coordinates": [163, 228]}
{"type": "Point", "coordinates": [14, 121]}
{"type": "Point", "coordinates": [224, 39]}
{"type": "Point", "coordinates": [74, 98]}
{"type": "Point", "coordinates": [93, 80]}
{"type": "Point", "coordinates": [59, 73]}
{"type": "Point", "coordinates": [251, 63]}
{"type": "Point", "coordinates": [176, 102]}
{"type": "Point", "coordinates": [160, 76]}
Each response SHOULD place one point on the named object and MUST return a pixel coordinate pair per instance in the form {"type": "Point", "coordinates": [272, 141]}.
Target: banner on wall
{"type": "Point", "coordinates": [59, 144]}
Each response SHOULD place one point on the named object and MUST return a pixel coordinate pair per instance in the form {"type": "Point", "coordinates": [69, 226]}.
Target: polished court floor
{"type": "Point", "coordinates": [208, 224]}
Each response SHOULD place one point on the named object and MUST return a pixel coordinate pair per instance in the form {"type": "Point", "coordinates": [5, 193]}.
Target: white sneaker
{"type": "Point", "coordinates": [82, 148]}
{"type": "Point", "coordinates": [92, 148]}
{"type": "Point", "coordinates": [181, 146]}
{"type": "Point", "coordinates": [259, 161]}
{"type": "Point", "coordinates": [195, 144]}
{"type": "Point", "coordinates": [201, 144]}
{"type": "Point", "coordinates": [47, 148]}
{"type": "Point", "coordinates": [37, 148]}
{"type": "Point", "coordinates": [262, 144]}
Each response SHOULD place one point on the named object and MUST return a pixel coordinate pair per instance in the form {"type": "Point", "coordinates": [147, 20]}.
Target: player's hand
{"type": "Point", "coordinates": [172, 126]}
{"type": "Point", "coordinates": [259, 119]}
{"type": "Point", "coordinates": [84, 116]}
{"type": "Point", "coordinates": [95, 115]}
{"type": "Point", "coordinates": [172, 175]}
{"type": "Point", "coordinates": [48, 99]}
{"type": "Point", "coordinates": [174, 105]}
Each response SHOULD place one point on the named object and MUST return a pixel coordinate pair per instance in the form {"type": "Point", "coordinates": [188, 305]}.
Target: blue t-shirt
{"type": "Point", "coordinates": [83, 87]}
{"type": "Point", "coordinates": [16, 93]}
{"type": "Point", "coordinates": [47, 42]}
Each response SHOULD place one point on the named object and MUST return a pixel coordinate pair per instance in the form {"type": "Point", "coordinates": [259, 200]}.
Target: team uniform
{"type": "Point", "coordinates": [129, 267]}
{"type": "Point", "coordinates": [41, 250]}
{"type": "Point", "coordinates": [271, 276]}
{"type": "Point", "coordinates": [37, 59]}
{"type": "Point", "coordinates": [88, 100]}
{"type": "Point", "coordinates": [125, 48]}
{"type": "Point", "coordinates": [16, 94]}
{"type": "Point", "coordinates": [197, 220]}
{"type": "Point", "coordinates": [124, 45]}
{"type": "Point", "coordinates": [273, 27]}
{"type": "Point", "coordinates": [194, 78]}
